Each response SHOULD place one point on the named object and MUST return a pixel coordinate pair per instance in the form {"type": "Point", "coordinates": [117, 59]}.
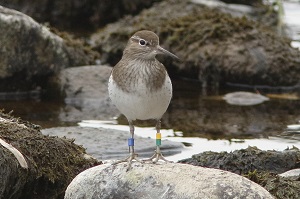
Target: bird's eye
{"type": "Point", "coordinates": [142, 42]}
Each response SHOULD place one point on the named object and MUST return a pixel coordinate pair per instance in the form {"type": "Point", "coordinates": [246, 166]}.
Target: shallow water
{"type": "Point", "coordinates": [194, 145]}
{"type": "Point", "coordinates": [201, 120]}
{"type": "Point", "coordinates": [198, 117]}
{"type": "Point", "coordinates": [41, 112]}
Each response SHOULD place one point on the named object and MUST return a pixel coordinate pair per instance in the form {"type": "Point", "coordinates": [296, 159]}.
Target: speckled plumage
{"type": "Point", "coordinates": [140, 86]}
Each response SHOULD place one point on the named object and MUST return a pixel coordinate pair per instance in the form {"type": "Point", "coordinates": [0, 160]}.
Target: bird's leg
{"type": "Point", "coordinates": [132, 156]}
{"type": "Point", "coordinates": [158, 155]}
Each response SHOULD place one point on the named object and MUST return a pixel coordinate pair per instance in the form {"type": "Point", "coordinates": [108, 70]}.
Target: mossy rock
{"type": "Point", "coordinates": [77, 15]}
{"type": "Point", "coordinates": [31, 53]}
{"type": "Point", "coordinates": [248, 160]}
{"type": "Point", "coordinates": [259, 166]}
{"type": "Point", "coordinates": [215, 47]}
{"type": "Point", "coordinates": [52, 162]}
{"type": "Point", "coordinates": [279, 187]}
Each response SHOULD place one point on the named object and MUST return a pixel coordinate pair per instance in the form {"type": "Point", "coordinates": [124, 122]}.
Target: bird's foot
{"type": "Point", "coordinates": [156, 157]}
{"type": "Point", "coordinates": [129, 160]}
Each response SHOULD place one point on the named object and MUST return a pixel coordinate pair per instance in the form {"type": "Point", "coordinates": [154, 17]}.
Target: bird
{"type": "Point", "coordinates": [140, 87]}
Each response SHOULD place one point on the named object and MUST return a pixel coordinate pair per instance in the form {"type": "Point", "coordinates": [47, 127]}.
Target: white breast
{"type": "Point", "coordinates": [141, 104]}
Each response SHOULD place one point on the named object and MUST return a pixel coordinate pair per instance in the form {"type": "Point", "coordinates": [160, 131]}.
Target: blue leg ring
{"type": "Point", "coordinates": [130, 141]}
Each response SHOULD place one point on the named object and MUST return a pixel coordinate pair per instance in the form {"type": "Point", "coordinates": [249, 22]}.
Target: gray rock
{"type": "Point", "coordinates": [291, 173]}
{"type": "Point", "coordinates": [77, 13]}
{"type": "Point", "coordinates": [105, 144]}
{"type": "Point", "coordinates": [29, 52]}
{"type": "Point", "coordinates": [237, 10]}
{"type": "Point", "coordinates": [162, 181]}
{"type": "Point", "coordinates": [242, 98]}
{"type": "Point", "coordinates": [248, 160]}
{"type": "Point", "coordinates": [86, 94]}
{"type": "Point", "coordinates": [215, 47]}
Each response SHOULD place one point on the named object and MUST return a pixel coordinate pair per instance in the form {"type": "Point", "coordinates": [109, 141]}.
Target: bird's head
{"type": "Point", "coordinates": [144, 44]}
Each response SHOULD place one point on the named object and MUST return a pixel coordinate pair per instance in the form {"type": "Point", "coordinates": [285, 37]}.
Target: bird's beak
{"type": "Point", "coordinates": [161, 50]}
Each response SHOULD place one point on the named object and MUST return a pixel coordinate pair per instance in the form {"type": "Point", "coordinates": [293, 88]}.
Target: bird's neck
{"type": "Point", "coordinates": [138, 57]}
{"type": "Point", "coordinates": [150, 73]}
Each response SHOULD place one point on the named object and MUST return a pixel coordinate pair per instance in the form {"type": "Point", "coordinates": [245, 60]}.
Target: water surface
{"type": "Point", "coordinates": [197, 117]}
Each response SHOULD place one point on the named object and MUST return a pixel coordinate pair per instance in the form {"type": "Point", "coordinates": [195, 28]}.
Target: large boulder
{"type": "Point", "coordinates": [149, 181]}
{"type": "Point", "coordinates": [77, 14]}
{"type": "Point", "coordinates": [34, 165]}
{"type": "Point", "coordinates": [215, 47]}
{"type": "Point", "coordinates": [262, 167]}
{"type": "Point", "coordinates": [248, 160]}
{"type": "Point", "coordinates": [85, 93]}
{"type": "Point", "coordinates": [30, 53]}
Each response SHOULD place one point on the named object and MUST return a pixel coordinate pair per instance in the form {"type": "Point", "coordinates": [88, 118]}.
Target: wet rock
{"type": "Point", "coordinates": [30, 53]}
{"type": "Point", "coordinates": [77, 14]}
{"type": "Point", "coordinates": [259, 166]}
{"type": "Point", "coordinates": [242, 98]}
{"type": "Point", "coordinates": [85, 93]}
{"type": "Point", "coordinates": [215, 47]}
{"type": "Point", "coordinates": [170, 180]}
{"type": "Point", "coordinates": [247, 160]}
{"type": "Point", "coordinates": [278, 186]}
{"type": "Point", "coordinates": [108, 144]}
{"type": "Point", "coordinates": [255, 10]}
{"type": "Point", "coordinates": [254, 2]}
{"type": "Point", "coordinates": [34, 165]}
{"type": "Point", "coordinates": [291, 173]}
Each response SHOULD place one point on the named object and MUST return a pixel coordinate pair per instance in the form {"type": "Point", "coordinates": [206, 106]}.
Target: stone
{"type": "Point", "coordinates": [77, 14]}
{"type": "Point", "coordinates": [85, 93]}
{"type": "Point", "coordinates": [162, 180]}
{"type": "Point", "coordinates": [248, 160]}
{"type": "Point", "coordinates": [291, 173]}
{"type": "Point", "coordinates": [108, 144]}
{"type": "Point", "coordinates": [30, 53]}
{"type": "Point", "coordinates": [242, 98]}
{"type": "Point", "coordinates": [31, 162]}
{"type": "Point", "coordinates": [215, 47]}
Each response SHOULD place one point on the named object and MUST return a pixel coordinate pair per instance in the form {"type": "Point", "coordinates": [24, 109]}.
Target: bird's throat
{"type": "Point", "coordinates": [130, 75]}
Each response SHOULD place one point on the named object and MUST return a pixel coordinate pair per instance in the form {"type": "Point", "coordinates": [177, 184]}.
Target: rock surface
{"type": "Point", "coordinates": [85, 93]}
{"type": "Point", "coordinates": [149, 181]}
{"type": "Point", "coordinates": [248, 160]}
{"type": "Point", "coordinates": [77, 14]}
{"type": "Point", "coordinates": [262, 167]}
{"type": "Point", "coordinates": [242, 98]}
{"type": "Point", "coordinates": [107, 144]}
{"type": "Point", "coordinates": [215, 47]}
{"type": "Point", "coordinates": [30, 53]}
{"type": "Point", "coordinates": [50, 162]}
{"type": "Point", "coordinates": [291, 173]}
